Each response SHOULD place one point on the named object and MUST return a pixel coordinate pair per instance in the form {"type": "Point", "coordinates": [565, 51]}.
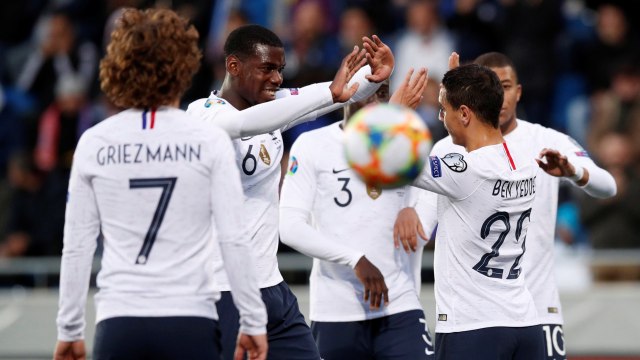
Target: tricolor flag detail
{"type": "Point", "coordinates": [152, 120]}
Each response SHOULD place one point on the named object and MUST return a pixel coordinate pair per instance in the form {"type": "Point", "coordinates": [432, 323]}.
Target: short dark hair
{"type": "Point", "coordinates": [242, 41]}
{"type": "Point", "coordinates": [496, 60]}
{"type": "Point", "coordinates": [478, 88]}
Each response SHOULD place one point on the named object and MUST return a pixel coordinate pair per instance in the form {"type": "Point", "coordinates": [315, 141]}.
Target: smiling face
{"type": "Point", "coordinates": [259, 76]}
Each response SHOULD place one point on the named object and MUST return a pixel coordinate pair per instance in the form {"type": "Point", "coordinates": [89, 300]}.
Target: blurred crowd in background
{"type": "Point", "coordinates": [577, 60]}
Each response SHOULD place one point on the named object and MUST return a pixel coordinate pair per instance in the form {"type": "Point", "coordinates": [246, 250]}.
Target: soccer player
{"type": "Point", "coordinates": [483, 308]}
{"type": "Point", "coordinates": [254, 62]}
{"type": "Point", "coordinates": [568, 161]}
{"type": "Point", "coordinates": [164, 192]}
{"type": "Point", "coordinates": [358, 310]}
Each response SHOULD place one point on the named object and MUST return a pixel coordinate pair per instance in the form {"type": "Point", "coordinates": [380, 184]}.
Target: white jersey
{"type": "Point", "coordinates": [483, 219]}
{"type": "Point", "coordinates": [538, 262]}
{"type": "Point", "coordinates": [258, 158]}
{"type": "Point", "coordinates": [158, 185]}
{"type": "Point", "coordinates": [349, 214]}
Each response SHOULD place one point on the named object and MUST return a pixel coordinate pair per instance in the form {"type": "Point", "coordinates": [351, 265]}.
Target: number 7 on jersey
{"type": "Point", "coordinates": [167, 185]}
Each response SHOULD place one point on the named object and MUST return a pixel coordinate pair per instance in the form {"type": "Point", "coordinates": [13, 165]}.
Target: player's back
{"type": "Point", "coordinates": [151, 175]}
{"type": "Point", "coordinates": [483, 219]}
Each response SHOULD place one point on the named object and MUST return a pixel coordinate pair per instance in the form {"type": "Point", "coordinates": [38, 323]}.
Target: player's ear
{"type": "Point", "coordinates": [518, 92]}
{"type": "Point", "coordinates": [464, 115]}
{"type": "Point", "coordinates": [233, 65]}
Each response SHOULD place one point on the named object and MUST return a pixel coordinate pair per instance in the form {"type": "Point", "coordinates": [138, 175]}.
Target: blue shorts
{"type": "Point", "coordinates": [553, 335]}
{"type": "Point", "coordinates": [398, 336]}
{"type": "Point", "coordinates": [162, 338]}
{"type": "Point", "coordinates": [288, 333]}
{"type": "Point", "coordinates": [494, 343]}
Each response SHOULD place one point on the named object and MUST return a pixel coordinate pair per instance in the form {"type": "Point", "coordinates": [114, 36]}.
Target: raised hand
{"type": "Point", "coordinates": [340, 91]}
{"type": "Point", "coordinates": [556, 164]}
{"type": "Point", "coordinates": [454, 60]}
{"type": "Point", "coordinates": [255, 346]}
{"type": "Point", "coordinates": [410, 92]}
{"type": "Point", "coordinates": [379, 57]}
{"type": "Point", "coordinates": [375, 289]}
{"type": "Point", "coordinates": [406, 227]}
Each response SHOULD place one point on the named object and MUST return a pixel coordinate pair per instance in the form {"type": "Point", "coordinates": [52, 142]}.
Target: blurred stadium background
{"type": "Point", "coordinates": [578, 62]}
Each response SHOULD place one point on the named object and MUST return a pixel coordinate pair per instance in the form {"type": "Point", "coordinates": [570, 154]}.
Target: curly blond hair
{"type": "Point", "coordinates": [151, 59]}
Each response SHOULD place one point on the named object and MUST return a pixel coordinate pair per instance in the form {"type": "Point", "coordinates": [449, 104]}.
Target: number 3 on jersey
{"type": "Point", "coordinates": [481, 266]}
{"type": "Point", "coordinates": [167, 185]}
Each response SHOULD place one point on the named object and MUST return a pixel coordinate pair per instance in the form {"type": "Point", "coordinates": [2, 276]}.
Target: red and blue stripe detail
{"type": "Point", "coordinates": [152, 118]}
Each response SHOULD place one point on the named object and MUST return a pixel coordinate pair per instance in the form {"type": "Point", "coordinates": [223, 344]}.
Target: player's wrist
{"type": "Point", "coordinates": [578, 175]}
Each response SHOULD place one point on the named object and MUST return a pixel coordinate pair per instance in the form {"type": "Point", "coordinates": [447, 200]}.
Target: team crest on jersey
{"type": "Point", "coordinates": [455, 162]}
{"type": "Point", "coordinates": [293, 91]}
{"type": "Point", "coordinates": [582, 153]}
{"type": "Point", "coordinates": [373, 191]}
{"type": "Point", "coordinates": [210, 102]}
{"type": "Point", "coordinates": [293, 165]}
{"type": "Point", "coordinates": [264, 155]}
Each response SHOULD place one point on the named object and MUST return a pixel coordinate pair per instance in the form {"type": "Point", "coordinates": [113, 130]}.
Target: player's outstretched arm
{"type": "Point", "coordinates": [375, 289]}
{"type": "Point", "coordinates": [410, 92]}
{"type": "Point", "coordinates": [254, 347]}
{"type": "Point", "coordinates": [406, 230]}
{"type": "Point", "coordinates": [594, 180]}
{"type": "Point", "coordinates": [70, 350]}
{"type": "Point", "coordinates": [280, 113]}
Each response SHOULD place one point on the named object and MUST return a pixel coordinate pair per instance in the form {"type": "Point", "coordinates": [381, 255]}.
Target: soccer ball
{"type": "Point", "coordinates": [386, 145]}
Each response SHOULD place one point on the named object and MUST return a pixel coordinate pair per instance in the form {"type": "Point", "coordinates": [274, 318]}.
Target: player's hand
{"type": "Point", "coordinates": [406, 229]}
{"type": "Point", "coordinates": [340, 90]}
{"type": "Point", "coordinates": [375, 289]}
{"type": "Point", "coordinates": [379, 57]}
{"type": "Point", "coordinates": [255, 346]}
{"type": "Point", "coordinates": [454, 60]}
{"type": "Point", "coordinates": [556, 164]}
{"type": "Point", "coordinates": [410, 92]}
{"type": "Point", "coordinates": [70, 350]}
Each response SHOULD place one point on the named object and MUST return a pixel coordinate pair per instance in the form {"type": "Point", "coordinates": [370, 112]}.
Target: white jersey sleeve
{"type": "Point", "coordinates": [234, 243]}
{"type": "Point", "coordinates": [261, 118]}
{"type": "Point", "coordinates": [296, 203]}
{"type": "Point", "coordinates": [81, 229]}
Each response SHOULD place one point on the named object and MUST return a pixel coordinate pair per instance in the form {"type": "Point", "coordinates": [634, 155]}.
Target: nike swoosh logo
{"type": "Point", "coordinates": [339, 171]}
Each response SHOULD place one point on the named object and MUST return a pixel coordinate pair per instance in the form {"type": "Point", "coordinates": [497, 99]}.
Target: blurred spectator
{"type": "Point", "coordinates": [618, 108]}
{"type": "Point", "coordinates": [37, 213]}
{"type": "Point", "coordinates": [354, 24]}
{"type": "Point", "coordinates": [57, 53]}
{"type": "Point", "coordinates": [473, 24]}
{"type": "Point", "coordinates": [312, 53]}
{"type": "Point", "coordinates": [615, 223]}
{"type": "Point", "coordinates": [613, 45]}
{"type": "Point", "coordinates": [425, 43]}
{"type": "Point", "coordinates": [529, 32]}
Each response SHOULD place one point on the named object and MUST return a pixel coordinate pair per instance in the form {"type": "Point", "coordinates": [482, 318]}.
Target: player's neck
{"type": "Point", "coordinates": [484, 135]}
{"type": "Point", "coordinates": [233, 97]}
{"type": "Point", "coordinates": [509, 126]}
